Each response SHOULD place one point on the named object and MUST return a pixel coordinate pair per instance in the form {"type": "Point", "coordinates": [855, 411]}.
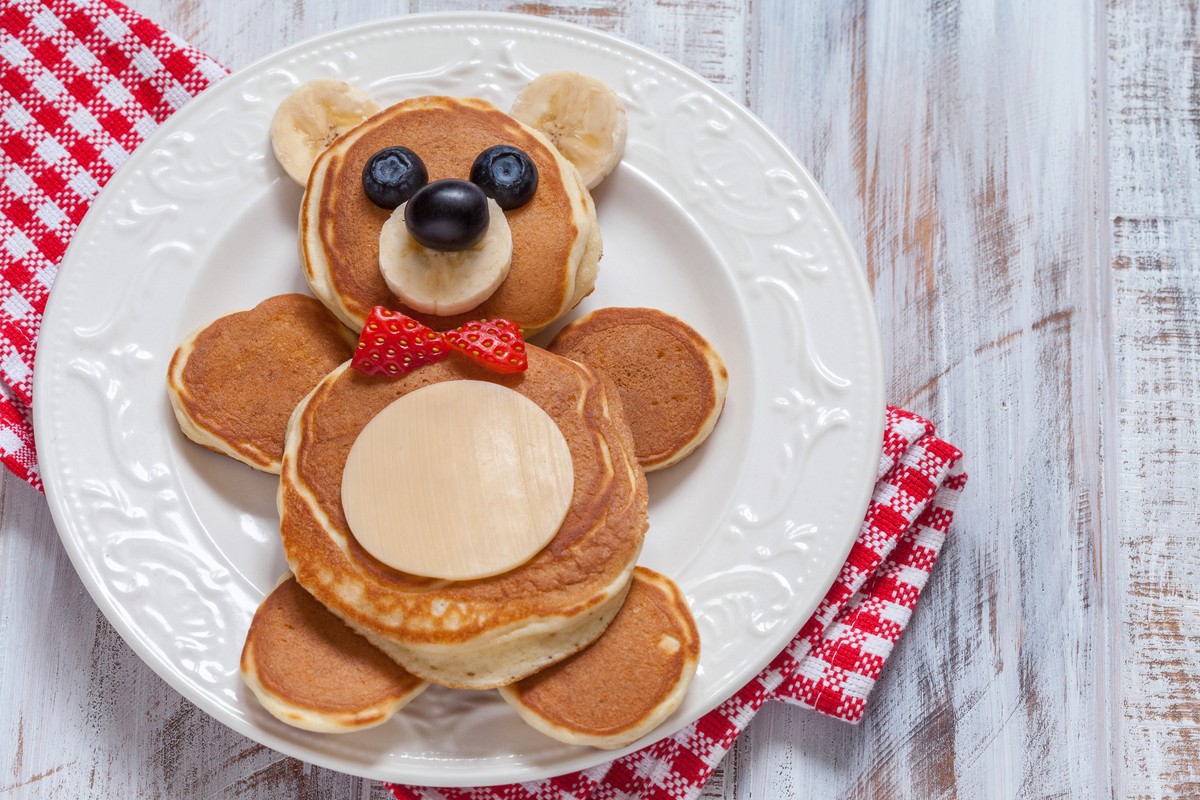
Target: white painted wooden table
{"type": "Point", "coordinates": [1023, 182]}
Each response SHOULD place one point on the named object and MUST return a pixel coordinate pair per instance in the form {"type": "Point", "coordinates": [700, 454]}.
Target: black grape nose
{"type": "Point", "coordinates": [447, 215]}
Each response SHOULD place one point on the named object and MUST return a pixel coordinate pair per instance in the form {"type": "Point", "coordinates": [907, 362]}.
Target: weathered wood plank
{"type": "Point", "coordinates": [708, 37]}
{"type": "Point", "coordinates": [239, 33]}
{"type": "Point", "coordinates": [1154, 202]}
{"type": "Point", "coordinates": [960, 167]}
{"type": "Point", "coordinates": [992, 160]}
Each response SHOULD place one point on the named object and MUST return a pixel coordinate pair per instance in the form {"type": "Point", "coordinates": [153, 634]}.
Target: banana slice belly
{"type": "Point", "coordinates": [310, 118]}
{"type": "Point", "coordinates": [441, 282]}
{"type": "Point", "coordinates": [581, 115]}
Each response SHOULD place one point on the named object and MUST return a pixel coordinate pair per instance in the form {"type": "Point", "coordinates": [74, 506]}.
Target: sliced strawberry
{"type": "Point", "coordinates": [393, 344]}
{"type": "Point", "coordinates": [495, 343]}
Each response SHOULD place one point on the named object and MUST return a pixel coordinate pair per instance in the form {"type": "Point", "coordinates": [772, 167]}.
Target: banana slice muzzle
{"type": "Point", "coordinates": [444, 282]}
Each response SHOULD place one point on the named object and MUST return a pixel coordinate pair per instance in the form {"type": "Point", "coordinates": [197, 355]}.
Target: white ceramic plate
{"type": "Point", "coordinates": [708, 217]}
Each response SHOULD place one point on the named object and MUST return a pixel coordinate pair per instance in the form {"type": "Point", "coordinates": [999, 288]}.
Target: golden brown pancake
{"type": "Point", "coordinates": [491, 631]}
{"type": "Point", "coordinates": [234, 383]}
{"type": "Point", "coordinates": [624, 684]}
{"type": "Point", "coordinates": [672, 383]}
{"type": "Point", "coordinates": [556, 243]}
{"type": "Point", "coordinates": [311, 671]}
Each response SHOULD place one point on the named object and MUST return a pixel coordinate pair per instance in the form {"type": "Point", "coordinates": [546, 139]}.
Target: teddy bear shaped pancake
{"type": "Point", "coordinates": [457, 506]}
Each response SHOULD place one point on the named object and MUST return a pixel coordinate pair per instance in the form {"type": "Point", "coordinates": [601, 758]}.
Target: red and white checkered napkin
{"type": "Point", "coordinates": [82, 83]}
{"type": "Point", "coordinates": [85, 81]}
{"type": "Point", "coordinates": [832, 663]}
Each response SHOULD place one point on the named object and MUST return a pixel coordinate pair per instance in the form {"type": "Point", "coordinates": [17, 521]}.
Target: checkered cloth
{"type": "Point", "coordinates": [83, 84]}
{"type": "Point", "coordinates": [85, 81]}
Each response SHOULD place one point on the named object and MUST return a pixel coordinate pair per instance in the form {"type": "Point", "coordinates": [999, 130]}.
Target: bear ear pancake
{"type": "Point", "coordinates": [581, 115]}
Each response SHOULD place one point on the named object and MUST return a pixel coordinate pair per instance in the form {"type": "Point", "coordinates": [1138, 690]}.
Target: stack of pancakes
{"type": "Point", "coordinates": [487, 632]}
{"type": "Point", "coordinates": [351, 640]}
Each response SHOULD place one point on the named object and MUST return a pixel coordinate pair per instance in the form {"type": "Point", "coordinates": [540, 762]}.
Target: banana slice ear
{"type": "Point", "coordinates": [310, 118]}
{"type": "Point", "coordinates": [581, 115]}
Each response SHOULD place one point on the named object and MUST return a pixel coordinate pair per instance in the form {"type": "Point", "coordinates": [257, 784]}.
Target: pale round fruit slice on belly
{"type": "Point", "coordinates": [459, 480]}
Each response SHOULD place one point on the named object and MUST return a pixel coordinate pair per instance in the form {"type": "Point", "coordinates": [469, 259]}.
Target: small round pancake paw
{"type": "Point", "coordinates": [311, 671]}
{"type": "Point", "coordinates": [626, 683]}
{"type": "Point", "coordinates": [671, 381]}
{"type": "Point", "coordinates": [234, 383]}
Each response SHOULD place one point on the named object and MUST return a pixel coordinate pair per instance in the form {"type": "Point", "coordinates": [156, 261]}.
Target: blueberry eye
{"type": "Point", "coordinates": [506, 174]}
{"type": "Point", "coordinates": [392, 175]}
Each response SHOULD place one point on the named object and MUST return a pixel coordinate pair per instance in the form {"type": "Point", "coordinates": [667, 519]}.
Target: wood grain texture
{"type": "Point", "coordinates": [1154, 207]}
{"type": "Point", "coordinates": [1021, 179]}
{"type": "Point", "coordinates": [962, 169]}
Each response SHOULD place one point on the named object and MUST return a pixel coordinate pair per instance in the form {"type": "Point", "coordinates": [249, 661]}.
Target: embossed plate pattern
{"type": "Point", "coordinates": [708, 217]}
